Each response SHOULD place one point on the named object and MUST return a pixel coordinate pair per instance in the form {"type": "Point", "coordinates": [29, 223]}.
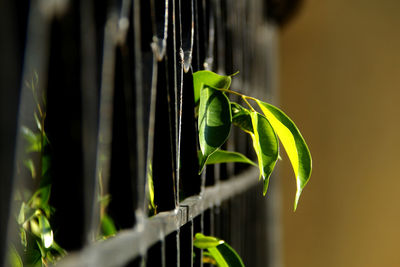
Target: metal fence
{"type": "Point", "coordinates": [117, 81]}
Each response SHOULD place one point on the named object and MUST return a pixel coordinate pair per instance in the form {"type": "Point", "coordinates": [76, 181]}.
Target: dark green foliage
{"type": "Point", "coordinates": [216, 115]}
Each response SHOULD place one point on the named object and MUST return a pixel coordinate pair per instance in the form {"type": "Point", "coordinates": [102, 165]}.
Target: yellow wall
{"type": "Point", "coordinates": [340, 82]}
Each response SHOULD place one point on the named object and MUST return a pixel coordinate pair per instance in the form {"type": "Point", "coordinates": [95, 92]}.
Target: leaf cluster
{"type": "Point", "coordinates": [33, 219]}
{"type": "Point", "coordinates": [216, 114]}
{"type": "Point", "coordinates": [218, 252]}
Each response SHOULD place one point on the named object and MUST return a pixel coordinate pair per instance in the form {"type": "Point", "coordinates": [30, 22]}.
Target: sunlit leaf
{"type": "Point", "coordinates": [221, 262]}
{"type": "Point", "coordinates": [150, 184]}
{"type": "Point", "coordinates": [264, 139]}
{"type": "Point", "coordinates": [223, 156]}
{"type": "Point", "coordinates": [34, 139]}
{"type": "Point", "coordinates": [219, 252]}
{"type": "Point", "coordinates": [225, 255]}
{"type": "Point", "coordinates": [265, 145]}
{"type": "Point", "coordinates": [38, 122]}
{"type": "Point", "coordinates": [209, 78]}
{"type": "Point", "coordinates": [46, 233]}
{"type": "Point", "coordinates": [294, 144]}
{"type": "Point", "coordinates": [203, 242]}
{"type": "Point", "coordinates": [214, 121]}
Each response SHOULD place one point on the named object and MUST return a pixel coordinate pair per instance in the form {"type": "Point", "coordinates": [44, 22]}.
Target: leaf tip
{"type": "Point", "coordinates": [266, 182]}
{"type": "Point", "coordinates": [297, 198]}
{"type": "Point", "coordinates": [203, 161]}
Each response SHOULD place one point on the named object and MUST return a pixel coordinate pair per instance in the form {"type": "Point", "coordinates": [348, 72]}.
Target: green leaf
{"type": "Point", "coordinates": [225, 255]}
{"type": "Point", "coordinates": [107, 226]}
{"type": "Point", "coordinates": [265, 142]}
{"type": "Point", "coordinates": [22, 234]}
{"type": "Point", "coordinates": [21, 215]}
{"type": "Point", "coordinates": [46, 233]}
{"type": "Point", "coordinates": [209, 78]}
{"type": "Point", "coordinates": [241, 117]}
{"type": "Point", "coordinates": [223, 156]}
{"type": "Point", "coordinates": [40, 198]}
{"type": "Point", "coordinates": [204, 242]}
{"type": "Point", "coordinates": [265, 145]}
{"type": "Point", "coordinates": [14, 258]}
{"type": "Point", "coordinates": [214, 121]}
{"type": "Point", "coordinates": [59, 249]}
{"type": "Point", "coordinates": [219, 250]}
{"type": "Point", "coordinates": [45, 164]}
{"type": "Point", "coordinates": [294, 144]}
{"type": "Point", "coordinates": [150, 183]}
{"type": "Point", "coordinates": [31, 166]}
{"type": "Point", "coordinates": [34, 139]}
{"type": "Point", "coordinates": [38, 122]}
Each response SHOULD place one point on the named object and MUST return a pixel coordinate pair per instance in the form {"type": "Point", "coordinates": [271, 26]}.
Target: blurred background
{"type": "Point", "coordinates": [340, 81]}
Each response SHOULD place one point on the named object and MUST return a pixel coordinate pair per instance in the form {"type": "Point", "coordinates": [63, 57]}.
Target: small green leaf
{"type": "Point", "coordinates": [265, 145]}
{"type": "Point", "coordinates": [214, 121]}
{"type": "Point", "coordinates": [241, 117]}
{"type": "Point", "coordinates": [209, 78]}
{"type": "Point", "coordinates": [34, 139]}
{"type": "Point", "coordinates": [223, 156]}
{"type": "Point", "coordinates": [218, 250]}
{"type": "Point", "coordinates": [31, 166]}
{"type": "Point", "coordinates": [150, 183]}
{"type": "Point", "coordinates": [21, 215]}
{"type": "Point", "coordinates": [294, 144]}
{"type": "Point", "coordinates": [105, 200]}
{"type": "Point", "coordinates": [41, 198]}
{"type": "Point", "coordinates": [204, 242]}
{"type": "Point", "coordinates": [22, 234]}
{"type": "Point", "coordinates": [221, 262]}
{"type": "Point", "coordinates": [107, 226]}
{"type": "Point", "coordinates": [38, 122]}
{"type": "Point", "coordinates": [46, 233]}
{"type": "Point", "coordinates": [45, 164]}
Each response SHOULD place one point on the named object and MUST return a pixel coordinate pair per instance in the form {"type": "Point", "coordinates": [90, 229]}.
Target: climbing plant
{"type": "Point", "coordinates": [37, 244]}
{"type": "Point", "coordinates": [217, 251]}
{"type": "Point", "coordinates": [265, 123]}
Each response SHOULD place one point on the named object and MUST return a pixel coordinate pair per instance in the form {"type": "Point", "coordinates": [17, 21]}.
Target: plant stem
{"type": "Point", "coordinates": [244, 97]}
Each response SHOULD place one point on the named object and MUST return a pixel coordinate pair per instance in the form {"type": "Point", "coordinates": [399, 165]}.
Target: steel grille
{"type": "Point", "coordinates": [117, 76]}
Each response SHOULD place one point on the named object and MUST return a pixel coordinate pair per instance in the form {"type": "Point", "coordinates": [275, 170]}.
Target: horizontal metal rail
{"type": "Point", "coordinates": [128, 244]}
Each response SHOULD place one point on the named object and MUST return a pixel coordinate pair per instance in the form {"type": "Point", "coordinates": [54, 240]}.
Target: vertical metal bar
{"type": "Point", "coordinates": [140, 131]}
{"type": "Point", "coordinates": [10, 69]}
{"type": "Point", "coordinates": [163, 251]}
{"type": "Point", "coordinates": [35, 62]}
{"type": "Point", "coordinates": [179, 88]}
{"type": "Point", "coordinates": [89, 109]}
{"type": "Point", "coordinates": [103, 156]}
{"type": "Point", "coordinates": [178, 250]}
{"type": "Point", "coordinates": [150, 142]}
{"type": "Point", "coordinates": [209, 61]}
